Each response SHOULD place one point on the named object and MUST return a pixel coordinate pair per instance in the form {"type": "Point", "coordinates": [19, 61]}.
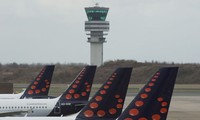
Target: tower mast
{"type": "Point", "coordinates": [96, 27]}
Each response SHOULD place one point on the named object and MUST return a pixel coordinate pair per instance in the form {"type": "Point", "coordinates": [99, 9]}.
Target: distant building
{"type": "Point", "coordinates": [96, 27]}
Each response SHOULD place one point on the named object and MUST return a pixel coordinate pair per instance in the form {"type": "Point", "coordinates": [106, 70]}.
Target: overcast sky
{"type": "Point", "coordinates": [51, 31]}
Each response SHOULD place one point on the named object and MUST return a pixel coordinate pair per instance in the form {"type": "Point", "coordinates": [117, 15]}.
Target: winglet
{"type": "Point", "coordinates": [152, 102]}
{"type": "Point", "coordinates": [108, 102]}
{"type": "Point", "coordinates": [41, 84]}
{"type": "Point", "coordinates": [80, 88]}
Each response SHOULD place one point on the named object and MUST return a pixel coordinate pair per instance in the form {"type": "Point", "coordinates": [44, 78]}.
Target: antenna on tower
{"type": "Point", "coordinates": [96, 4]}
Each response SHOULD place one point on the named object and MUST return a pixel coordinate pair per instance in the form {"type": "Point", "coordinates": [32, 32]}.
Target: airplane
{"type": "Point", "coordinates": [109, 100]}
{"type": "Point", "coordinates": [153, 100]}
{"type": "Point", "coordinates": [39, 87]}
{"type": "Point", "coordinates": [71, 101]}
{"type": "Point", "coordinates": [106, 104]}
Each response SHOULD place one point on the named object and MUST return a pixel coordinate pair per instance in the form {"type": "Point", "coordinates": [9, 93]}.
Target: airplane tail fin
{"type": "Point", "coordinates": [108, 102]}
{"type": "Point", "coordinates": [152, 102]}
{"type": "Point", "coordinates": [41, 84]}
{"type": "Point", "coordinates": [80, 88]}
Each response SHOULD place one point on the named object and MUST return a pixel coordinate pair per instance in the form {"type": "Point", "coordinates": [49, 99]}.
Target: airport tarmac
{"type": "Point", "coordinates": [185, 104]}
{"type": "Point", "coordinates": [185, 108]}
{"type": "Point", "coordinates": [181, 107]}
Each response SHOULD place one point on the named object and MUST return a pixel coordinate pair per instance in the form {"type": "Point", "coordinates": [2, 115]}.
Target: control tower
{"type": "Point", "coordinates": [96, 27]}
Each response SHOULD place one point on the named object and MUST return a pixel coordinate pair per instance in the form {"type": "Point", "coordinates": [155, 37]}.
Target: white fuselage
{"type": "Point", "coordinates": [73, 117]}
{"type": "Point", "coordinates": [70, 117]}
{"type": "Point", "coordinates": [11, 96]}
{"type": "Point", "coordinates": [27, 107]}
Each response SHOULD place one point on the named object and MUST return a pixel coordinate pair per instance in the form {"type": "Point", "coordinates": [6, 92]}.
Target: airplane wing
{"type": "Point", "coordinates": [13, 113]}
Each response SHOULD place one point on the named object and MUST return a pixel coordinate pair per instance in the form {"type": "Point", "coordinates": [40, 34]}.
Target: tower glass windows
{"type": "Point", "coordinates": [96, 13]}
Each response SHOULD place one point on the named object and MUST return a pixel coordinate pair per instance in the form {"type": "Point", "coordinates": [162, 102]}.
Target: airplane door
{"type": "Point", "coordinates": [57, 108]}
